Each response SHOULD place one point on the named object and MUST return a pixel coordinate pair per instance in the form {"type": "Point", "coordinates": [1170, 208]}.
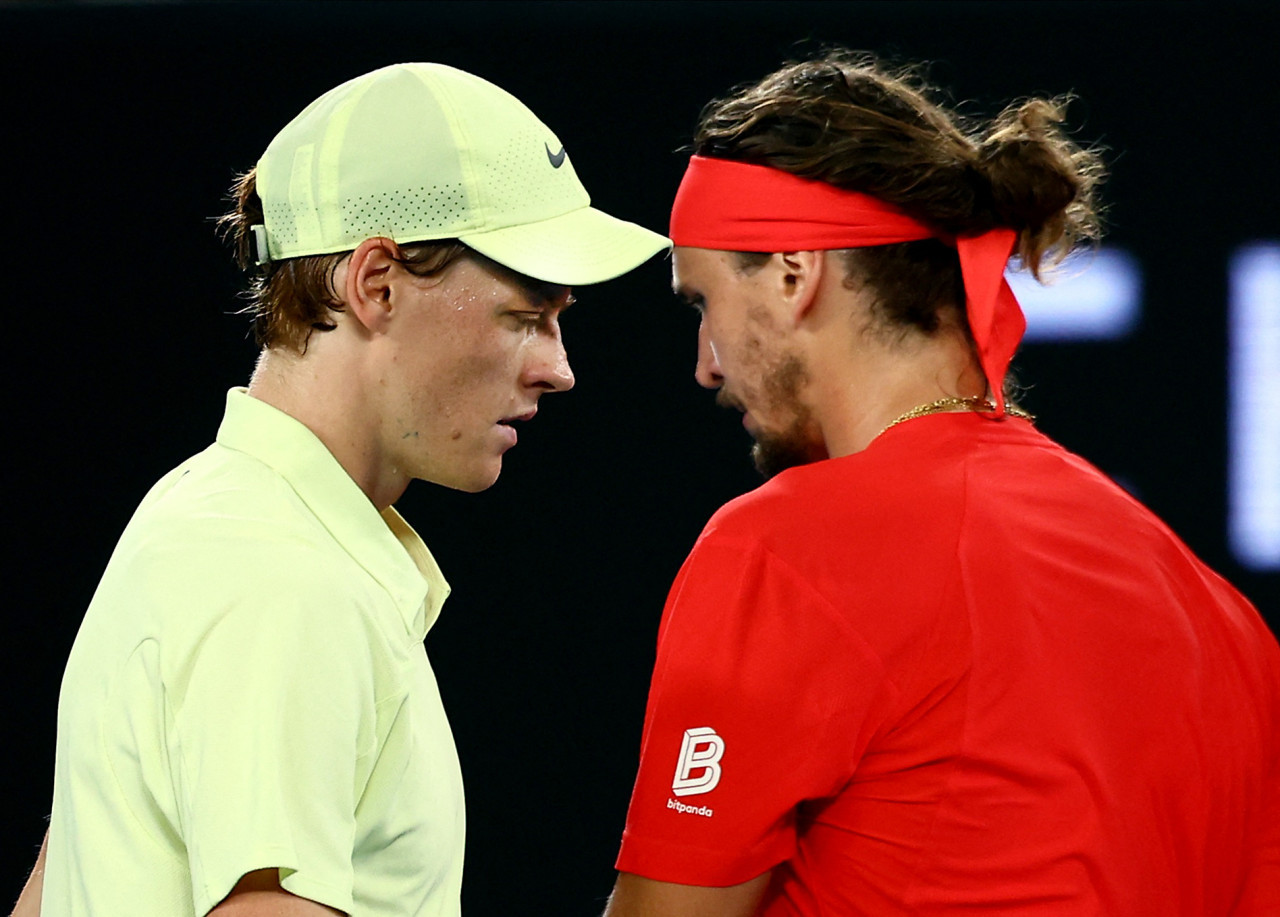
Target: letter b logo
{"type": "Point", "coordinates": [701, 751]}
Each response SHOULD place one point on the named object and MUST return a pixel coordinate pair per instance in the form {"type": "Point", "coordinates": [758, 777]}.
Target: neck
{"type": "Point", "coordinates": [321, 390]}
{"type": "Point", "coordinates": [887, 377]}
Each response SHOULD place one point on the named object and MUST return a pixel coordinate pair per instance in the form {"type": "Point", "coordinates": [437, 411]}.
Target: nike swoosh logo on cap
{"type": "Point", "coordinates": [556, 159]}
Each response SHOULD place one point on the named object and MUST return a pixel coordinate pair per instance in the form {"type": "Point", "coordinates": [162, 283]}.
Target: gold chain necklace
{"type": "Point", "coordinates": [970, 404]}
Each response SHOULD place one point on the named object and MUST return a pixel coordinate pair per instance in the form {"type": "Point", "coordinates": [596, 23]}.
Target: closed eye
{"type": "Point", "coordinates": [689, 297]}
{"type": "Point", "coordinates": [529, 319]}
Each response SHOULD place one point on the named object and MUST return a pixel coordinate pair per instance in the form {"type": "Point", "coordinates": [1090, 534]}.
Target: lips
{"type": "Point", "coordinates": [725, 400]}
{"type": "Point", "coordinates": [507, 425]}
{"type": "Point", "coordinates": [519, 418]}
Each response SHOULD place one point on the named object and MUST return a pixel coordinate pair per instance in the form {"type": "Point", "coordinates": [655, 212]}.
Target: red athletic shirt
{"type": "Point", "coordinates": [959, 669]}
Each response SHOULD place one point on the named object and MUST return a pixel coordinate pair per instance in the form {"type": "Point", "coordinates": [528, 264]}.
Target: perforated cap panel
{"type": "Point", "coordinates": [417, 152]}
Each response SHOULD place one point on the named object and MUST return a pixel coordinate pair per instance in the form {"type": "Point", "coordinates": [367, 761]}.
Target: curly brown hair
{"type": "Point", "coordinates": [291, 299]}
{"type": "Point", "coordinates": [845, 119]}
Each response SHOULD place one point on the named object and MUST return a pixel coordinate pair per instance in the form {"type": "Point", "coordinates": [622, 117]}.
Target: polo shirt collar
{"type": "Point", "coordinates": [382, 543]}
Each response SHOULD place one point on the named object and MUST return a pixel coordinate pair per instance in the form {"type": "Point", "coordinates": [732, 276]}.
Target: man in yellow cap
{"type": "Point", "coordinates": [248, 721]}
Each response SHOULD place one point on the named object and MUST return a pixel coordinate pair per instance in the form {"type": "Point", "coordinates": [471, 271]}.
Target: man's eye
{"type": "Point", "coordinates": [529, 319]}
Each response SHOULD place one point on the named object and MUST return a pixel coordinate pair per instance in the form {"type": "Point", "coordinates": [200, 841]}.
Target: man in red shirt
{"type": "Point", "coordinates": [936, 662]}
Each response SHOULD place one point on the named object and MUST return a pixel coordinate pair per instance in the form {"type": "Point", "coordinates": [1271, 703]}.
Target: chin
{"type": "Point", "coordinates": [475, 485]}
{"type": "Point", "coordinates": [470, 480]}
{"type": "Point", "coordinates": [483, 479]}
{"type": "Point", "coordinates": [775, 454]}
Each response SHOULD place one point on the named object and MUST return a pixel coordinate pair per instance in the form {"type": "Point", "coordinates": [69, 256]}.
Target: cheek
{"type": "Point", "coordinates": [462, 377]}
{"type": "Point", "coordinates": [491, 360]}
{"type": "Point", "coordinates": [745, 351]}
{"type": "Point", "coordinates": [477, 384]}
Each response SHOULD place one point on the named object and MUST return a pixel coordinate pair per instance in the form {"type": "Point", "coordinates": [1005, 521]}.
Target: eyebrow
{"type": "Point", "coordinates": [547, 296]}
{"type": "Point", "coordinates": [541, 293]}
{"type": "Point", "coordinates": [544, 293]}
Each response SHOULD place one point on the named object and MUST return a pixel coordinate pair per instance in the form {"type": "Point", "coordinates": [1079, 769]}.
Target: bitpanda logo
{"type": "Point", "coordinates": [698, 768]}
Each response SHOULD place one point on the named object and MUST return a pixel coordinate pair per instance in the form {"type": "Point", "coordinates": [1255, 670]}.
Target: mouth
{"type": "Point", "coordinates": [726, 400]}
{"type": "Point", "coordinates": [508, 425]}
{"type": "Point", "coordinates": [519, 418]}
{"type": "Point", "coordinates": [748, 421]}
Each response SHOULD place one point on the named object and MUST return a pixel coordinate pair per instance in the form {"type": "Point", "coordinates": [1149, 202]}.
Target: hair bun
{"type": "Point", "coordinates": [1038, 182]}
{"type": "Point", "coordinates": [845, 120]}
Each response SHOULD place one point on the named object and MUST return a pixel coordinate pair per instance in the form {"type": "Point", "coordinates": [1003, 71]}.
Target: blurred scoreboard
{"type": "Point", "coordinates": [1098, 296]}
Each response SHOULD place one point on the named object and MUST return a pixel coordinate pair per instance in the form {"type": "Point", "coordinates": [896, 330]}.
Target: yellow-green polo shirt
{"type": "Point", "coordinates": [249, 689]}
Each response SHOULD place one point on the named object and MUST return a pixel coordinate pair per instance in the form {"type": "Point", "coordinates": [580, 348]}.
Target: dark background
{"type": "Point", "coordinates": [124, 123]}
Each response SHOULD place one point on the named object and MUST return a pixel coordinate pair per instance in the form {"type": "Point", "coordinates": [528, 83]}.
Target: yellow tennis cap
{"type": "Point", "coordinates": [420, 151]}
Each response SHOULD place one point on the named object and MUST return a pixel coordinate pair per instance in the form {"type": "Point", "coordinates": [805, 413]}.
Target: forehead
{"type": "Point", "coordinates": [533, 290]}
{"type": "Point", "coordinates": [694, 271]}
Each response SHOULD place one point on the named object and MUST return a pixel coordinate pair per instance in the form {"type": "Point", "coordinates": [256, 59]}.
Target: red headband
{"type": "Point", "coordinates": [735, 206]}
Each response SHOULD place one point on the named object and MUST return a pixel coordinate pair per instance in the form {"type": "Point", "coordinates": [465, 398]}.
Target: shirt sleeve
{"type": "Point", "coordinates": [274, 719]}
{"type": "Point", "coordinates": [762, 698]}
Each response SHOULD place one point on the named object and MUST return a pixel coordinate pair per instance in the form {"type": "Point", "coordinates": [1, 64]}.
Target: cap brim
{"type": "Point", "coordinates": [580, 247]}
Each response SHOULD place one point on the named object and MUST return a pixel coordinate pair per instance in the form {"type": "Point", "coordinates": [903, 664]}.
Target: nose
{"type": "Point", "coordinates": [707, 372]}
{"type": "Point", "coordinates": [549, 368]}
{"type": "Point", "coordinates": [561, 375]}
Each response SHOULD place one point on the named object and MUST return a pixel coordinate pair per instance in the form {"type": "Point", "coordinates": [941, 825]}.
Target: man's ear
{"type": "Point", "coordinates": [800, 277]}
{"type": "Point", "coordinates": [367, 282]}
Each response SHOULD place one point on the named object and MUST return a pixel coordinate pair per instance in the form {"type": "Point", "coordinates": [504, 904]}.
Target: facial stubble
{"type": "Point", "coordinates": [798, 443]}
